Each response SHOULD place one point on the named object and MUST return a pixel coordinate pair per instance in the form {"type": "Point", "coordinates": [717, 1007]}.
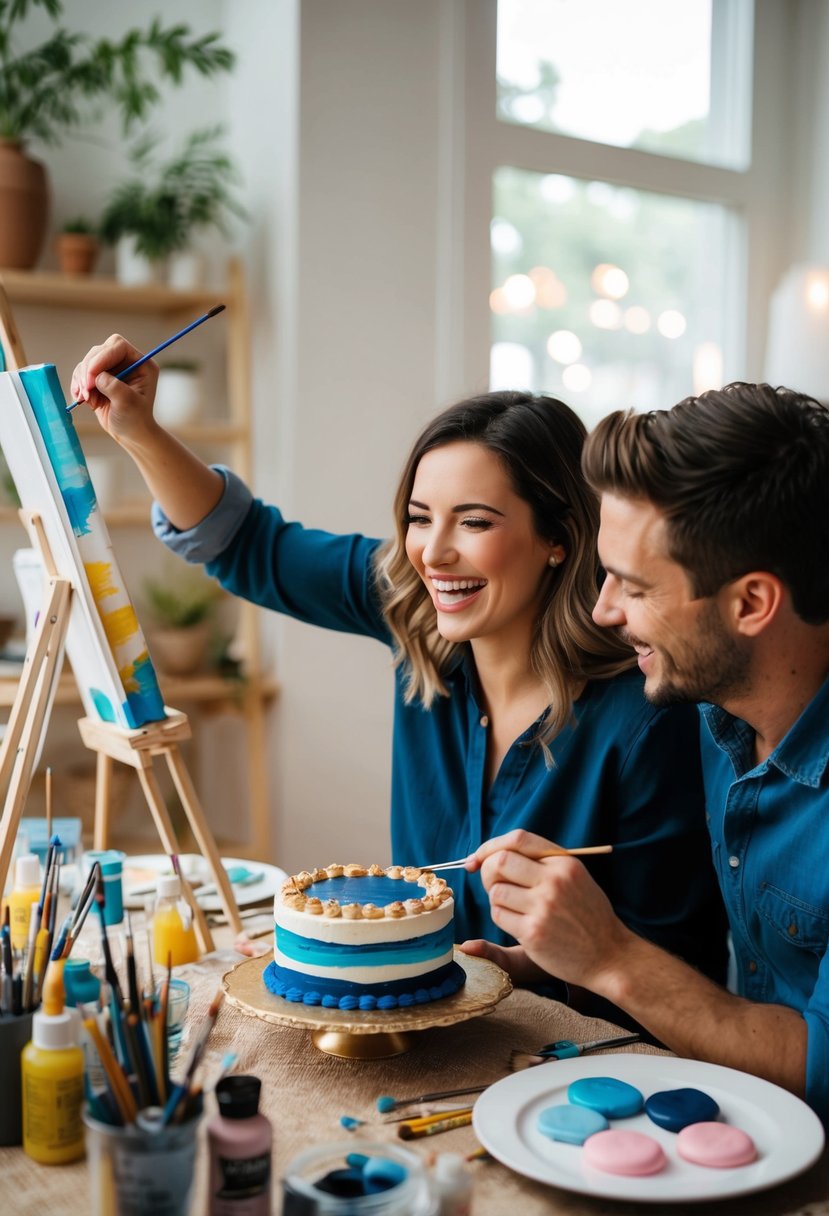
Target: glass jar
{"type": "Point", "coordinates": [411, 1196]}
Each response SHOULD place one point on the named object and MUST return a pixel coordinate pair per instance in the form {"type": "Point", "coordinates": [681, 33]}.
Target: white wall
{"type": "Point", "coordinates": [340, 121]}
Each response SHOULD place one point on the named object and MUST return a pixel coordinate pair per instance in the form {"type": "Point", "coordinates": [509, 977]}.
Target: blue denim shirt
{"type": "Point", "coordinates": [624, 773]}
{"type": "Point", "coordinates": [771, 851]}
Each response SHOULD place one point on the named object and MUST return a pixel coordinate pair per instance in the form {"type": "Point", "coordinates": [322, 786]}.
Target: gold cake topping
{"type": "Point", "coordinates": [435, 892]}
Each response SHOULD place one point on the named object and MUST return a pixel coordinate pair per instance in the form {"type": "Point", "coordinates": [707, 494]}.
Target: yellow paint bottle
{"type": "Point", "coordinates": [24, 893]}
{"type": "Point", "coordinates": [52, 1075]}
{"type": "Point", "coordinates": [173, 933]}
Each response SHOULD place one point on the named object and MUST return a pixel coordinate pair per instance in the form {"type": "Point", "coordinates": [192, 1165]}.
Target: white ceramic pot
{"type": "Point", "coordinates": [178, 396]}
{"type": "Point", "coordinates": [185, 270]}
{"type": "Point", "coordinates": [132, 268]}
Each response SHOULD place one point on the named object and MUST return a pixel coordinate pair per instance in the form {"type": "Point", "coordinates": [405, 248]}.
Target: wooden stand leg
{"type": "Point", "coordinates": [103, 787]}
{"type": "Point", "coordinates": [29, 716]}
{"type": "Point", "coordinates": [195, 815]}
{"type": "Point", "coordinates": [169, 843]}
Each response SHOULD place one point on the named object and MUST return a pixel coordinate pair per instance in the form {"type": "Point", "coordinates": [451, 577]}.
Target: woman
{"type": "Point", "coordinates": [513, 709]}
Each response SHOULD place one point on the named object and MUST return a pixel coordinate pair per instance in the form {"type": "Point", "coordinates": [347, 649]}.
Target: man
{"type": "Point", "coordinates": [715, 539]}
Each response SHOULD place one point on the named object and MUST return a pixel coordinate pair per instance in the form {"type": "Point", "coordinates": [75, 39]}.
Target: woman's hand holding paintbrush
{"type": "Point", "coordinates": [185, 487]}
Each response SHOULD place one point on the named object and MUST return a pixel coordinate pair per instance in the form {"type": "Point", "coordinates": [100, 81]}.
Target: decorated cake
{"type": "Point", "coordinates": [351, 937]}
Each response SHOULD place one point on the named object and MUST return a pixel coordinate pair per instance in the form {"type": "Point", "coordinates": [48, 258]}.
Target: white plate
{"type": "Point", "coordinates": [788, 1134]}
{"type": "Point", "coordinates": [139, 873]}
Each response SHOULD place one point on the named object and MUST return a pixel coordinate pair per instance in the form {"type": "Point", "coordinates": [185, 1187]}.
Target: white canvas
{"type": "Point", "coordinates": [104, 642]}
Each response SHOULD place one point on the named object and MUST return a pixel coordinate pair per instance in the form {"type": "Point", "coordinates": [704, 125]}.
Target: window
{"type": "Point", "coordinates": [634, 229]}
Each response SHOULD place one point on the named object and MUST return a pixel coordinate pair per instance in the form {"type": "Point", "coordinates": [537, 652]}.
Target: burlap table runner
{"type": "Point", "coordinates": [304, 1093]}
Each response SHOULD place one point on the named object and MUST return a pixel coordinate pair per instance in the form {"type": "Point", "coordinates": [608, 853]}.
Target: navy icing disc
{"type": "Point", "coordinates": [612, 1098]}
{"type": "Point", "coordinates": [674, 1109]}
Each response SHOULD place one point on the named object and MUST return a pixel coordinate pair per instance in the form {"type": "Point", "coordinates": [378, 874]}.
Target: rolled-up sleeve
{"type": "Point", "coordinates": [212, 535]}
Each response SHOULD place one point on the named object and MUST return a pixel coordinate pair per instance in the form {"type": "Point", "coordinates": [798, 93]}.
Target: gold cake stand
{"type": "Point", "coordinates": [358, 1034]}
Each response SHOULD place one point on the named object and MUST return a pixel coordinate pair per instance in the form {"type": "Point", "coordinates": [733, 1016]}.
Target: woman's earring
{"type": "Point", "coordinates": [552, 560]}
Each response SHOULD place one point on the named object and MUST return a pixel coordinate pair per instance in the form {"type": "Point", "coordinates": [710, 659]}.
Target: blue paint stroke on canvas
{"type": "Point", "coordinates": [136, 682]}
{"type": "Point", "coordinates": [62, 444]}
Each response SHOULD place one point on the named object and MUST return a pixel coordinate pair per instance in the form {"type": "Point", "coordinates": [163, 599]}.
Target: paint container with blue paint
{"type": "Point", "coordinates": [380, 1180]}
{"type": "Point", "coordinates": [112, 865]}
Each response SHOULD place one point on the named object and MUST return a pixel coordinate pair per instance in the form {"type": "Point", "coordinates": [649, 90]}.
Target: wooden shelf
{"type": "Point", "coordinates": [50, 290]}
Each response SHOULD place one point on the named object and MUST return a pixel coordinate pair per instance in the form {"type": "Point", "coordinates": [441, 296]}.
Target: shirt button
{"type": "Point", "coordinates": [752, 967]}
{"type": "Point", "coordinates": [733, 862]}
{"type": "Point", "coordinates": [484, 720]}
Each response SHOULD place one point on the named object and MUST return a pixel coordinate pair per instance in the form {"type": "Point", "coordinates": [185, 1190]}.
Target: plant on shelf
{"type": "Point", "coordinates": [76, 246]}
{"type": "Point", "coordinates": [165, 203]}
{"type": "Point", "coordinates": [181, 613]}
{"type": "Point", "coordinates": [51, 89]}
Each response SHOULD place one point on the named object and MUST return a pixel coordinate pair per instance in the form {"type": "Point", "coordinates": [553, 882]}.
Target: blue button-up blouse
{"type": "Point", "coordinates": [623, 772]}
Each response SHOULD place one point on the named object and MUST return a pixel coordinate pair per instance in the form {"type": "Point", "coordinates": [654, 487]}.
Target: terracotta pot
{"type": "Point", "coordinates": [76, 252]}
{"type": "Point", "coordinates": [24, 208]}
{"type": "Point", "coordinates": [179, 652]}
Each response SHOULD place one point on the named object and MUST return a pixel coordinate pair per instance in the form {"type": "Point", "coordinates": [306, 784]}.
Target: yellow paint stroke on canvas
{"type": "Point", "coordinates": [100, 580]}
{"type": "Point", "coordinates": [120, 626]}
{"type": "Point", "coordinates": [128, 673]}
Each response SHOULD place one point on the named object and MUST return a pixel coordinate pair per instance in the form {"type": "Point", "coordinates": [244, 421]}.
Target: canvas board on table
{"type": "Point", "coordinates": [104, 641]}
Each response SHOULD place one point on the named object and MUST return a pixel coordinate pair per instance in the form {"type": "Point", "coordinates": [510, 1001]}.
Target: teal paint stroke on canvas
{"type": "Point", "coordinates": [62, 444]}
{"type": "Point", "coordinates": [137, 698]}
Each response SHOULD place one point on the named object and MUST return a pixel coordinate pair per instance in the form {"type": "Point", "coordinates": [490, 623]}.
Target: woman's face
{"type": "Point", "coordinates": [472, 541]}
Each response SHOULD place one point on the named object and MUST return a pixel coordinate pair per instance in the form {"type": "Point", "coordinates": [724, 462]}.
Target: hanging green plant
{"type": "Point", "coordinates": [47, 91]}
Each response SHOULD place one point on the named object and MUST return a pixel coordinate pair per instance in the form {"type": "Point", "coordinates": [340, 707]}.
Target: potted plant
{"type": "Point", "coordinates": [47, 91]}
{"type": "Point", "coordinates": [162, 206]}
{"type": "Point", "coordinates": [181, 613]}
{"type": "Point", "coordinates": [76, 246]}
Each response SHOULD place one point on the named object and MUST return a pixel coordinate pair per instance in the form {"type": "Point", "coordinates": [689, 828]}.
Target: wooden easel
{"type": "Point", "coordinates": [30, 713]}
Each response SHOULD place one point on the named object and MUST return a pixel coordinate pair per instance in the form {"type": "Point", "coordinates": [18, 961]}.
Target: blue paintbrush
{"type": "Point", "coordinates": [151, 353]}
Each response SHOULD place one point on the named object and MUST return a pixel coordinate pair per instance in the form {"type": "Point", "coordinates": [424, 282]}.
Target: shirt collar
{"type": "Point", "coordinates": [802, 753]}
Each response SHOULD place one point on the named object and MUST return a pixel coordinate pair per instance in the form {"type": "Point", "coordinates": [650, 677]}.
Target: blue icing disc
{"type": "Point", "coordinates": [571, 1124]}
{"type": "Point", "coordinates": [613, 1099]}
{"type": "Point", "coordinates": [674, 1109]}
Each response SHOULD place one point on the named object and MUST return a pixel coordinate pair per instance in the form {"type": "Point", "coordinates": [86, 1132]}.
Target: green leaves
{"type": "Point", "coordinates": [162, 205]}
{"type": "Point", "coordinates": [47, 91]}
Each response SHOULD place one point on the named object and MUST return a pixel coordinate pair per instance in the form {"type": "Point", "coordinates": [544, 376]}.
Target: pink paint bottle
{"type": "Point", "coordinates": [239, 1140]}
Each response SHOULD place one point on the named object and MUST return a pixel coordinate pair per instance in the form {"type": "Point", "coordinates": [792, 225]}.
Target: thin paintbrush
{"type": "Point", "coordinates": [85, 902]}
{"type": "Point", "coordinates": [179, 1093]}
{"type": "Point", "coordinates": [132, 974]}
{"type": "Point", "coordinates": [161, 346]}
{"type": "Point", "coordinates": [109, 966]}
{"type": "Point", "coordinates": [566, 1049]}
{"type": "Point", "coordinates": [48, 803]}
{"type": "Point", "coordinates": [386, 1104]}
{"type": "Point", "coordinates": [581, 851]}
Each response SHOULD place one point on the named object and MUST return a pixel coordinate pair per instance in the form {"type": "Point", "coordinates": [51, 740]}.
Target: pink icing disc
{"type": "Point", "coordinates": [716, 1145]}
{"type": "Point", "coordinates": [631, 1153]}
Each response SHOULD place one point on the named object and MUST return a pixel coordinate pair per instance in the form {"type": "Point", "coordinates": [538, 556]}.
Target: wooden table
{"type": "Point", "coordinates": [304, 1093]}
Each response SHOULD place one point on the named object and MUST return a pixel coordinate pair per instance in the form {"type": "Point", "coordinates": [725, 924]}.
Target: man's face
{"type": "Point", "coordinates": [685, 648]}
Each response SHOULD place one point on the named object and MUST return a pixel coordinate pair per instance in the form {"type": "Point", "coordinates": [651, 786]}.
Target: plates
{"type": "Point", "coordinates": [140, 873]}
{"type": "Point", "coordinates": [788, 1134]}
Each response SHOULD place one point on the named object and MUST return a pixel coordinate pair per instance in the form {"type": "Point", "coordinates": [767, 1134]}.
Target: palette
{"type": "Point", "coordinates": [788, 1134]}
{"type": "Point", "coordinates": [141, 873]}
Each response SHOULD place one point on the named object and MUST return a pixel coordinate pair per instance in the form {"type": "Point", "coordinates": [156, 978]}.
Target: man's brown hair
{"type": "Point", "coordinates": [742, 476]}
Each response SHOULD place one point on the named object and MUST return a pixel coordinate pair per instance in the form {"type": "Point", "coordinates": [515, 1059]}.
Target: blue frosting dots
{"type": "Point", "coordinates": [385, 997]}
{"type": "Point", "coordinates": [612, 1098]}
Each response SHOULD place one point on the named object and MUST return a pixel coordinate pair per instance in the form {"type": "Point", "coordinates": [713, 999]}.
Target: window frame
{"type": "Point", "coordinates": [475, 142]}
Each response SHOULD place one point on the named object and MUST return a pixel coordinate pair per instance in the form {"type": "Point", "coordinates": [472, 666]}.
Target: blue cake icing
{"type": "Point", "coordinates": [364, 940]}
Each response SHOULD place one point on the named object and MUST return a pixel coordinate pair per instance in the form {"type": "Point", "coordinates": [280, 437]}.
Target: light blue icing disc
{"type": "Point", "coordinates": [612, 1098]}
{"type": "Point", "coordinates": [674, 1109]}
{"type": "Point", "coordinates": [570, 1124]}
